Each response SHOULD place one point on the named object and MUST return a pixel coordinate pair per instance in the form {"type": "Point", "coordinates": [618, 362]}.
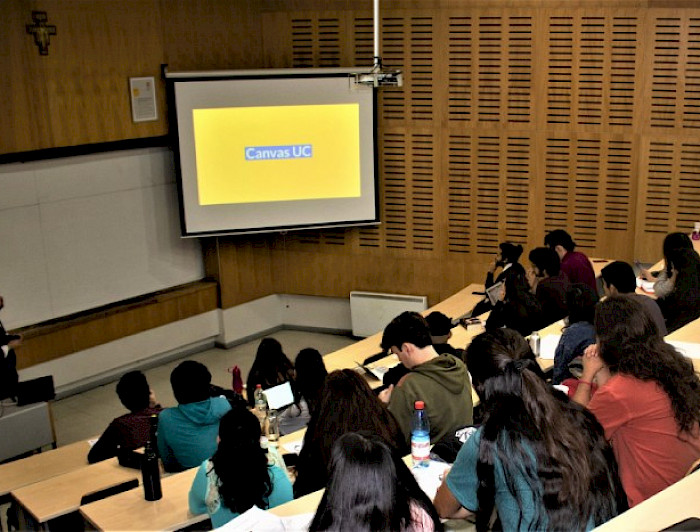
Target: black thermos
{"type": "Point", "coordinates": [150, 467]}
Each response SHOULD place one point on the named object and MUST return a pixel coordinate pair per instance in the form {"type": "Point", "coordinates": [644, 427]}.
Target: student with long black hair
{"type": "Point", "coordinates": [648, 400]}
{"type": "Point", "coordinates": [371, 489]}
{"type": "Point", "coordinates": [538, 459]}
{"type": "Point", "coordinates": [311, 375]}
{"type": "Point", "coordinates": [519, 309]}
{"type": "Point", "coordinates": [682, 304]}
{"type": "Point", "coordinates": [238, 476]}
{"type": "Point", "coordinates": [347, 404]}
{"type": "Point", "coordinates": [272, 367]}
{"type": "Point", "coordinates": [663, 279]}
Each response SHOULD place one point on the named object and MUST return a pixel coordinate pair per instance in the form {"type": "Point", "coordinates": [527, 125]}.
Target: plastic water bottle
{"type": "Point", "coordinates": [420, 436]}
{"type": "Point", "coordinates": [535, 343]}
{"type": "Point", "coordinates": [260, 406]}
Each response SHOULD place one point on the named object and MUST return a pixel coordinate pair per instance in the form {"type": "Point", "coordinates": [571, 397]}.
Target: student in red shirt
{"type": "Point", "coordinates": [648, 401]}
{"type": "Point", "coordinates": [574, 264]}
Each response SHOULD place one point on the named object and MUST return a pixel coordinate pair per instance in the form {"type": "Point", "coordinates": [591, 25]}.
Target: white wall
{"type": "Point", "coordinates": [266, 314]}
{"type": "Point", "coordinates": [93, 366]}
{"type": "Point", "coordinates": [228, 327]}
{"type": "Point", "coordinates": [80, 232]}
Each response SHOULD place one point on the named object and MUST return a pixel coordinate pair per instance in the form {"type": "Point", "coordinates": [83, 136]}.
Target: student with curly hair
{"type": "Point", "coordinates": [648, 400]}
{"type": "Point", "coordinates": [371, 489]}
{"type": "Point", "coordinates": [538, 459]}
{"type": "Point", "coordinates": [238, 475]}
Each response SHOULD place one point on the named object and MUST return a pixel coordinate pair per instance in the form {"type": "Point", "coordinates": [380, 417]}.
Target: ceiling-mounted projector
{"type": "Point", "coordinates": [380, 78]}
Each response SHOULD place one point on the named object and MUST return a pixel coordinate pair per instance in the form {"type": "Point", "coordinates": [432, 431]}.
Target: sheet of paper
{"type": "Point", "coordinates": [293, 446]}
{"type": "Point", "coordinates": [429, 478]}
{"type": "Point", "coordinates": [647, 286]}
{"type": "Point", "coordinates": [689, 349]}
{"type": "Point", "coordinates": [256, 520]}
{"type": "Point", "coordinates": [548, 344]}
{"type": "Point", "coordinates": [297, 523]}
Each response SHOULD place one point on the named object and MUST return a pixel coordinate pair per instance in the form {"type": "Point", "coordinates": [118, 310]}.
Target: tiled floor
{"type": "Point", "coordinates": [87, 414]}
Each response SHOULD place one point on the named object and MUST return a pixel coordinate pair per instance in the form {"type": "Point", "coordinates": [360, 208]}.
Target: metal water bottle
{"type": "Point", "coordinates": [150, 468]}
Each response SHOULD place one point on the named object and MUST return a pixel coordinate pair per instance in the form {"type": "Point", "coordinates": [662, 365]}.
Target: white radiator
{"type": "Point", "coordinates": [371, 312]}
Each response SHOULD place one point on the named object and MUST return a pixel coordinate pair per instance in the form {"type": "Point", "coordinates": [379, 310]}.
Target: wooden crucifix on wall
{"type": "Point", "coordinates": [41, 31]}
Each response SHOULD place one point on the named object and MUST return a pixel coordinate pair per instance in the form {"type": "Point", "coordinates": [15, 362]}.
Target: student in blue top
{"type": "Point", "coordinates": [579, 333]}
{"type": "Point", "coordinates": [538, 459]}
{"type": "Point", "coordinates": [187, 432]}
{"type": "Point", "coordinates": [238, 476]}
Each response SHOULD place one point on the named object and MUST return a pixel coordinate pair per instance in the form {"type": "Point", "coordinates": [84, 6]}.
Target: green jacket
{"type": "Point", "coordinates": [443, 385]}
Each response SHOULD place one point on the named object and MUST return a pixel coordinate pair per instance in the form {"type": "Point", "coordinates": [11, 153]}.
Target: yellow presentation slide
{"type": "Point", "coordinates": [277, 153]}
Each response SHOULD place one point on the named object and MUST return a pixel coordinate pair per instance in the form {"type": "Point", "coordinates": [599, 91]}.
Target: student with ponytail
{"type": "Point", "coordinates": [539, 459]}
{"type": "Point", "coordinates": [238, 475]}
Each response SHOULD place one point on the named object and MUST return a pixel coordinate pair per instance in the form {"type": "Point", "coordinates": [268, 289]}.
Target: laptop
{"type": "Point", "coordinates": [280, 396]}
{"type": "Point", "coordinates": [495, 293]}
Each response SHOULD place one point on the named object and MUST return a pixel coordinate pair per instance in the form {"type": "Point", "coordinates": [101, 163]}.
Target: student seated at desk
{"type": "Point", "coordinates": [187, 432]}
{"type": "Point", "coordinates": [519, 309]}
{"type": "Point", "coordinates": [579, 332]}
{"type": "Point", "coordinates": [648, 400]}
{"type": "Point", "coordinates": [130, 431]}
{"type": "Point", "coordinates": [238, 476]}
{"type": "Point", "coordinates": [272, 367]}
{"type": "Point", "coordinates": [682, 304]}
{"type": "Point", "coordinates": [663, 281]}
{"type": "Point", "coordinates": [440, 333]}
{"type": "Point", "coordinates": [347, 404]}
{"type": "Point", "coordinates": [548, 283]}
{"type": "Point", "coordinates": [311, 376]}
{"type": "Point", "coordinates": [618, 279]}
{"type": "Point", "coordinates": [370, 488]}
{"type": "Point", "coordinates": [539, 460]}
{"type": "Point", "coordinates": [441, 381]}
{"type": "Point", "coordinates": [507, 259]}
{"type": "Point", "coordinates": [574, 264]}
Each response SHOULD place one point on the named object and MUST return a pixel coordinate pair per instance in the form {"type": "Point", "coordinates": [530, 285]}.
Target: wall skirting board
{"type": "Point", "coordinates": [224, 328]}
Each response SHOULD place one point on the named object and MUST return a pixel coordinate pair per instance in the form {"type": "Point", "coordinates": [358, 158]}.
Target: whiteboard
{"type": "Point", "coordinates": [80, 232]}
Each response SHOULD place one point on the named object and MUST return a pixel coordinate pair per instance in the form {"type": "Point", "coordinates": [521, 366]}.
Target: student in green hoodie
{"type": "Point", "coordinates": [441, 382]}
{"type": "Point", "coordinates": [187, 433]}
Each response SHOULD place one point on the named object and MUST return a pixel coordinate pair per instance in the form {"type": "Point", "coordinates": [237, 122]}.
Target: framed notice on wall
{"type": "Point", "coordinates": [143, 99]}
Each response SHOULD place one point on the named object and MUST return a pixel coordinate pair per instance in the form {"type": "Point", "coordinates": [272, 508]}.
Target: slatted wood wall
{"type": "Point", "coordinates": [511, 122]}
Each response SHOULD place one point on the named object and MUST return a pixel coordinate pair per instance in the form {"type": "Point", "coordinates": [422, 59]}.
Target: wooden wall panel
{"type": "Point", "coordinates": [71, 334]}
{"type": "Point", "coordinates": [211, 34]}
{"type": "Point", "coordinates": [513, 121]}
{"type": "Point", "coordinates": [79, 93]}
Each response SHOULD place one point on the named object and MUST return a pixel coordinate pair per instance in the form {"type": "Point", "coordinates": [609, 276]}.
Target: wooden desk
{"type": "Point", "coordinates": [130, 511]}
{"type": "Point", "coordinates": [688, 333]}
{"type": "Point", "coordinates": [677, 502]}
{"type": "Point", "coordinates": [61, 495]}
{"type": "Point", "coordinates": [43, 466]}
